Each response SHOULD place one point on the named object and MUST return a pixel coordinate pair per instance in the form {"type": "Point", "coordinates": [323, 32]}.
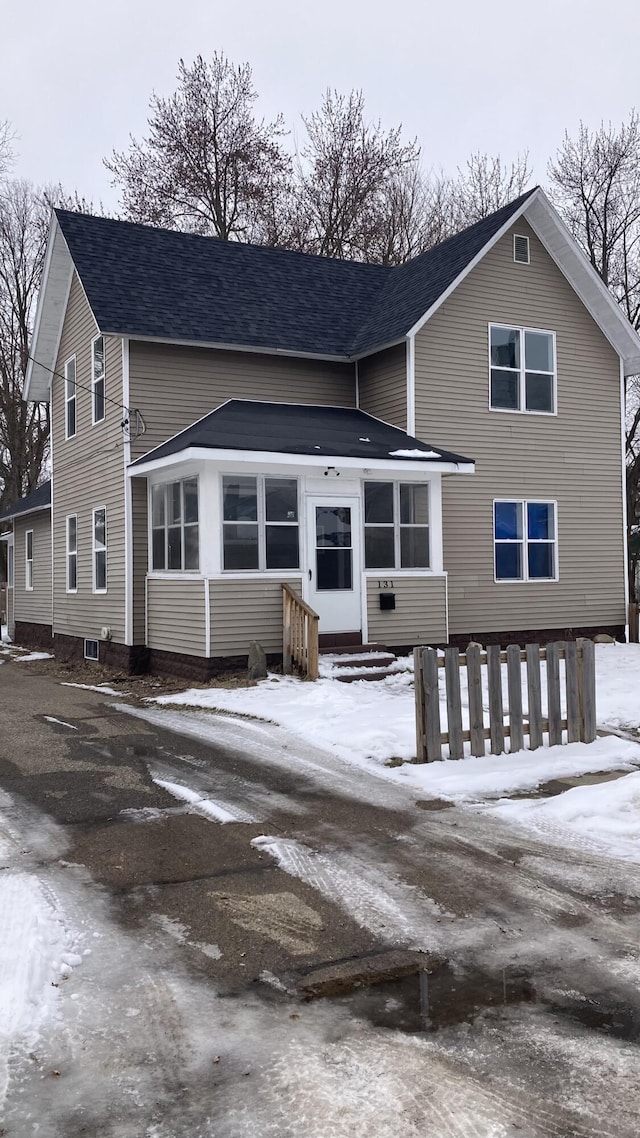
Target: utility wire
{"type": "Point", "coordinates": [82, 386]}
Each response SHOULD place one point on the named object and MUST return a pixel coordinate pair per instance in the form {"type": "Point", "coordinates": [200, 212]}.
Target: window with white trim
{"type": "Point", "coordinates": [260, 527]}
{"type": "Point", "coordinates": [100, 550]}
{"type": "Point", "coordinates": [72, 553]}
{"type": "Point", "coordinates": [97, 380]}
{"type": "Point", "coordinates": [523, 370]}
{"type": "Point", "coordinates": [70, 398]}
{"type": "Point", "coordinates": [28, 560]}
{"type": "Point", "coordinates": [396, 525]}
{"type": "Point", "coordinates": [525, 541]}
{"type": "Point", "coordinates": [174, 526]}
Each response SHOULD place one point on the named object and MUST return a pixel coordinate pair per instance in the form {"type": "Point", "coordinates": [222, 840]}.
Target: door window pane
{"type": "Point", "coordinates": [240, 495]}
{"type": "Point", "coordinates": [334, 569]}
{"type": "Point", "coordinates": [333, 526]}
{"type": "Point", "coordinates": [281, 499]}
{"type": "Point", "coordinates": [508, 561]}
{"type": "Point", "coordinates": [414, 547]}
{"type": "Point", "coordinates": [378, 502]}
{"type": "Point", "coordinates": [282, 547]}
{"type": "Point", "coordinates": [241, 547]}
{"type": "Point", "coordinates": [379, 547]}
{"type": "Point", "coordinates": [541, 560]}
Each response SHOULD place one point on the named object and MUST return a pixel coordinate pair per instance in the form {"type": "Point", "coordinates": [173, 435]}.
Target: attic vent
{"type": "Point", "coordinates": [521, 249]}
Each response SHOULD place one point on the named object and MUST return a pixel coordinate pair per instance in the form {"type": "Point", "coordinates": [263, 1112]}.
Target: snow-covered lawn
{"type": "Point", "coordinates": [373, 724]}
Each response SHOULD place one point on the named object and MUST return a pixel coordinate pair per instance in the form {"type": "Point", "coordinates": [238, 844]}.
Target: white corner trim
{"type": "Point", "coordinates": [207, 618]}
{"type": "Point", "coordinates": [411, 385]}
{"type": "Point", "coordinates": [128, 508]}
{"type": "Point", "coordinates": [623, 448]}
{"type": "Point", "coordinates": [357, 384]}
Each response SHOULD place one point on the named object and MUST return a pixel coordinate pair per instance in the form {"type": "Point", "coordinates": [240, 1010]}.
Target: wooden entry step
{"type": "Point", "coordinates": [358, 662]}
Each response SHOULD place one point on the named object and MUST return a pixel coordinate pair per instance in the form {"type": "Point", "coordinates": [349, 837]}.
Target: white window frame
{"type": "Point", "coordinates": [71, 553]}
{"type": "Point", "coordinates": [94, 381]}
{"type": "Point", "coordinates": [522, 409]}
{"type": "Point", "coordinates": [98, 548]}
{"type": "Point", "coordinates": [397, 527]}
{"type": "Point", "coordinates": [70, 398]}
{"type": "Point", "coordinates": [525, 541]}
{"type": "Point", "coordinates": [95, 658]}
{"type": "Point", "coordinates": [170, 572]}
{"type": "Point", "coordinates": [262, 524]}
{"type": "Point", "coordinates": [28, 561]}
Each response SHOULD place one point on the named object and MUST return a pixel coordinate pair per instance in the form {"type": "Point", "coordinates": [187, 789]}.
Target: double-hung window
{"type": "Point", "coordinates": [260, 522]}
{"type": "Point", "coordinates": [70, 398]}
{"type": "Point", "coordinates": [174, 526]}
{"type": "Point", "coordinates": [396, 525]}
{"type": "Point", "coordinates": [97, 380]}
{"type": "Point", "coordinates": [523, 369]}
{"type": "Point", "coordinates": [525, 541]}
{"type": "Point", "coordinates": [72, 553]}
{"type": "Point", "coordinates": [28, 560]}
{"type": "Point", "coordinates": [100, 550]}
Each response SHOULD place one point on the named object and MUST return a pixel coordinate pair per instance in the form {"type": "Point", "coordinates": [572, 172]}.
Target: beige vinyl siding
{"type": "Point", "coordinates": [176, 615]}
{"type": "Point", "coordinates": [246, 610]}
{"type": "Point", "coordinates": [382, 385]}
{"type": "Point", "coordinates": [573, 457]}
{"type": "Point", "coordinates": [88, 473]}
{"type": "Point", "coordinates": [33, 605]}
{"type": "Point", "coordinates": [140, 555]}
{"type": "Point", "coordinates": [173, 386]}
{"type": "Point", "coordinates": [420, 615]}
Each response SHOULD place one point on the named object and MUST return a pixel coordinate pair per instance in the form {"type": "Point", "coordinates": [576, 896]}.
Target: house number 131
{"type": "Point", "coordinates": [385, 584]}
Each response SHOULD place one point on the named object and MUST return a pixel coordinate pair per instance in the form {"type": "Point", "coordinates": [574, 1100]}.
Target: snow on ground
{"type": "Point", "coordinates": [370, 724]}
{"type": "Point", "coordinates": [4, 635]}
{"type": "Point", "coordinates": [30, 656]}
{"type": "Point", "coordinates": [104, 689]}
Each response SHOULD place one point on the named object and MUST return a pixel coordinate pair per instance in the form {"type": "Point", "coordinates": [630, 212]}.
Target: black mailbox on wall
{"type": "Point", "coordinates": [387, 601]}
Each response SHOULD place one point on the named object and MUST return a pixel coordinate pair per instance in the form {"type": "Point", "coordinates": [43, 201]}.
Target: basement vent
{"type": "Point", "coordinates": [91, 649]}
{"type": "Point", "coordinates": [521, 249]}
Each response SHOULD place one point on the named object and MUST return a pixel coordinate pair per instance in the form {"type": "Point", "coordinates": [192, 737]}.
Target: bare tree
{"type": "Point", "coordinates": [7, 139]}
{"type": "Point", "coordinates": [482, 187]}
{"type": "Point", "coordinates": [347, 172]}
{"type": "Point", "coordinates": [595, 184]}
{"type": "Point", "coordinates": [208, 165]}
{"type": "Point", "coordinates": [24, 427]}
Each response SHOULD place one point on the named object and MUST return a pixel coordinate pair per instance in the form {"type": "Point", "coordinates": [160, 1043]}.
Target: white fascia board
{"type": "Point", "coordinates": [472, 264]}
{"type": "Point", "coordinates": [50, 312]}
{"type": "Point", "coordinates": [26, 513]}
{"type": "Point", "coordinates": [256, 458]}
{"type": "Point", "coordinates": [584, 280]}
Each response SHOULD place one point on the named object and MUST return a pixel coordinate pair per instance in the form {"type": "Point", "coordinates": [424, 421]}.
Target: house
{"type": "Point", "coordinates": [427, 453]}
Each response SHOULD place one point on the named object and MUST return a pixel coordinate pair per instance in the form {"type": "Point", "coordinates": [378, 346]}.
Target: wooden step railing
{"type": "Point", "coordinates": [299, 635]}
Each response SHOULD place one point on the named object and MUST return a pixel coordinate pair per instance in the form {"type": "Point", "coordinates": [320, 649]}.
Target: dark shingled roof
{"type": "Point", "coordinates": [38, 499]}
{"type": "Point", "coordinates": [293, 428]}
{"type": "Point", "coordinates": [161, 284]}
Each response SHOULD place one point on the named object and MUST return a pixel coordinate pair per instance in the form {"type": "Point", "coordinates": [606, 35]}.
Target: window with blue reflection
{"type": "Point", "coordinates": [540, 524]}
{"type": "Point", "coordinates": [508, 521]}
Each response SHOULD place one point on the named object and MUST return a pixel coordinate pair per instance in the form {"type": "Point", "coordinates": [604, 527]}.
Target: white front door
{"type": "Point", "coordinates": [333, 577]}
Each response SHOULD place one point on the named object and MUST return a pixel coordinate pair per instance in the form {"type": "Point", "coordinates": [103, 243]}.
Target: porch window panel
{"type": "Point", "coordinates": [281, 499]}
{"type": "Point", "coordinates": [378, 503]}
{"type": "Point", "coordinates": [241, 547]}
{"type": "Point", "coordinates": [174, 547]}
{"type": "Point", "coordinates": [157, 506]}
{"type": "Point", "coordinates": [379, 547]}
{"type": "Point", "coordinates": [414, 547]}
{"type": "Point", "coordinates": [240, 498]}
{"type": "Point", "coordinates": [414, 503]}
{"type": "Point", "coordinates": [159, 553]}
{"type": "Point", "coordinates": [334, 569]}
{"type": "Point", "coordinates": [191, 548]}
{"type": "Point", "coordinates": [190, 502]}
{"type": "Point", "coordinates": [174, 503]}
{"type": "Point", "coordinates": [282, 547]}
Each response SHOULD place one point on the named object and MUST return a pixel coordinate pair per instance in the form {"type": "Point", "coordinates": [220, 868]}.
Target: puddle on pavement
{"type": "Point", "coordinates": [427, 1002]}
{"type": "Point", "coordinates": [600, 1013]}
{"type": "Point", "coordinates": [557, 786]}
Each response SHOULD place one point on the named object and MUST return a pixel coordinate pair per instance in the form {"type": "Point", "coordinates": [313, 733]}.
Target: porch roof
{"type": "Point", "coordinates": [305, 430]}
{"type": "Point", "coordinates": [38, 499]}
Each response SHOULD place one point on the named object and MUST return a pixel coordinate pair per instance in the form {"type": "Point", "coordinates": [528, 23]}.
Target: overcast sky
{"type": "Point", "coordinates": [499, 76]}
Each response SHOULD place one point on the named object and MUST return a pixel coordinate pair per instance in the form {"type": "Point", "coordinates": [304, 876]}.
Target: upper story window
{"type": "Point", "coordinates": [523, 369]}
{"type": "Point", "coordinates": [100, 550]}
{"type": "Point", "coordinates": [260, 522]}
{"type": "Point", "coordinates": [72, 553]}
{"type": "Point", "coordinates": [396, 525]}
{"type": "Point", "coordinates": [28, 560]}
{"type": "Point", "coordinates": [97, 380]}
{"type": "Point", "coordinates": [525, 541]}
{"type": "Point", "coordinates": [70, 398]}
{"type": "Point", "coordinates": [174, 526]}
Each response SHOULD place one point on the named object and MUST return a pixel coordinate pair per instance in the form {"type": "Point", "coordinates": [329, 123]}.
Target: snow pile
{"type": "Point", "coordinates": [606, 815]}
{"type": "Point", "coordinates": [414, 454]}
{"type": "Point", "coordinates": [31, 656]}
{"type": "Point", "coordinates": [104, 689]}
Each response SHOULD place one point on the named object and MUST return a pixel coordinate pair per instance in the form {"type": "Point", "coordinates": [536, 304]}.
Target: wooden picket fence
{"type": "Point", "coordinates": [580, 685]}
